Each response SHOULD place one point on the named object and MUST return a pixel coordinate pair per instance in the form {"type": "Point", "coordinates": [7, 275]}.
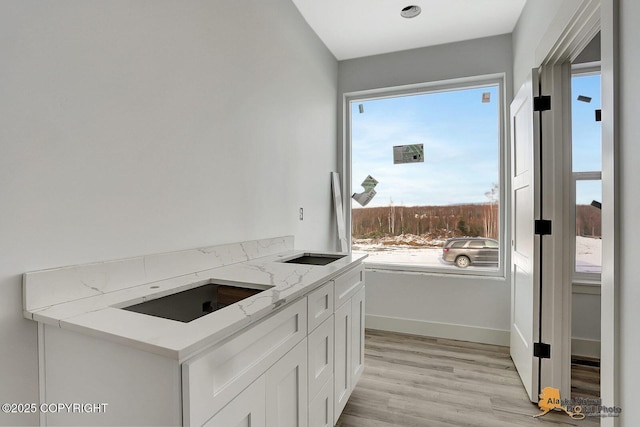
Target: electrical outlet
{"type": "Point", "coordinates": [301, 214]}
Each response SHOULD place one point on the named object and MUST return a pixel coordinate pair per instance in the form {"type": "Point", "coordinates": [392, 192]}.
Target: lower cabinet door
{"type": "Point", "coordinates": [246, 410]}
{"type": "Point", "coordinates": [286, 389]}
{"type": "Point", "coordinates": [321, 407]}
{"type": "Point", "coordinates": [357, 336]}
{"type": "Point", "coordinates": [342, 362]}
{"type": "Point", "coordinates": [320, 352]}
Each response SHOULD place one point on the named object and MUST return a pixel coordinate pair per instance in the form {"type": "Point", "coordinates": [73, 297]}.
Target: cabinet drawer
{"type": "Point", "coordinates": [214, 378]}
{"type": "Point", "coordinates": [348, 284]}
{"type": "Point", "coordinates": [319, 306]}
{"type": "Point", "coordinates": [320, 355]}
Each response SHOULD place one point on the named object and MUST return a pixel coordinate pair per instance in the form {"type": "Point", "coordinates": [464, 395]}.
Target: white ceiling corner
{"type": "Point", "coordinates": [356, 28]}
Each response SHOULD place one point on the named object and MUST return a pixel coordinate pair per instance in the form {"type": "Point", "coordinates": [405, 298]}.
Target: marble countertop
{"type": "Point", "coordinates": [100, 315]}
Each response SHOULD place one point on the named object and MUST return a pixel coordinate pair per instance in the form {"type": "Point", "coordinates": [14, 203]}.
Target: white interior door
{"type": "Point", "coordinates": [525, 301]}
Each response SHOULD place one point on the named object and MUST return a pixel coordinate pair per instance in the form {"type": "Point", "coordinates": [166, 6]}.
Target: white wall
{"type": "Point", "coordinates": [138, 127]}
{"type": "Point", "coordinates": [539, 26]}
{"type": "Point", "coordinates": [629, 158]}
{"type": "Point", "coordinates": [585, 323]}
{"type": "Point", "coordinates": [465, 308]}
{"type": "Point", "coordinates": [458, 307]}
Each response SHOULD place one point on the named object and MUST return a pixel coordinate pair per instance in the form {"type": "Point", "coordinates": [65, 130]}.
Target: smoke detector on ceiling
{"type": "Point", "coordinates": [410, 11]}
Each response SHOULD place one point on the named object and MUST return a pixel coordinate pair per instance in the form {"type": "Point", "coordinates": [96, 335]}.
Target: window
{"type": "Point", "coordinates": [491, 244]}
{"type": "Point", "coordinates": [588, 243]}
{"type": "Point", "coordinates": [435, 157]}
{"type": "Point", "coordinates": [587, 175]}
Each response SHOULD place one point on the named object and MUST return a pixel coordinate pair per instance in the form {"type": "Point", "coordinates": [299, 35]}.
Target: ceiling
{"type": "Point", "coordinates": [356, 28]}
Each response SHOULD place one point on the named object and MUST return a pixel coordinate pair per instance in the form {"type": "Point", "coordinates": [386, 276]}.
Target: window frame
{"type": "Point", "coordinates": [497, 79]}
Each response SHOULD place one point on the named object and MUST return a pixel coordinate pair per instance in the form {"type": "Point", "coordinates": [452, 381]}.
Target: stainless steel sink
{"type": "Point", "coordinates": [194, 303]}
{"type": "Point", "coordinates": [315, 259]}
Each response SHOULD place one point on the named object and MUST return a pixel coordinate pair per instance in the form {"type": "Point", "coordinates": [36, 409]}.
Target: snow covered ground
{"type": "Point", "coordinates": [385, 253]}
{"type": "Point", "coordinates": [588, 254]}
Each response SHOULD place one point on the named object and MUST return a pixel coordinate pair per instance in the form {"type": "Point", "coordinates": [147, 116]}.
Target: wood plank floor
{"type": "Point", "coordinates": [416, 381]}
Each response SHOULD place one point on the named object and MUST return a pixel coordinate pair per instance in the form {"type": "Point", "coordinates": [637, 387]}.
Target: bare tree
{"type": "Point", "coordinates": [490, 213]}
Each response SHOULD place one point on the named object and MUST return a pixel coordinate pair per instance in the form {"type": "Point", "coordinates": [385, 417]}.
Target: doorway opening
{"type": "Point", "coordinates": [585, 213]}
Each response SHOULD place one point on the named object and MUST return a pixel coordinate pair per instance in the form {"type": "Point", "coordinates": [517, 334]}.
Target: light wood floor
{"type": "Point", "coordinates": [416, 381]}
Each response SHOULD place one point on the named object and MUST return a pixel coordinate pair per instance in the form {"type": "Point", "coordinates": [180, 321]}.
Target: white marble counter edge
{"type": "Point", "coordinates": [99, 315]}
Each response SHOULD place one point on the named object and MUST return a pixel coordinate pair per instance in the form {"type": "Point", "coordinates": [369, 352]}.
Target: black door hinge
{"type": "Point", "coordinates": [598, 115]}
{"type": "Point", "coordinates": [542, 350]}
{"type": "Point", "coordinates": [542, 227]}
{"type": "Point", "coordinates": [542, 103]}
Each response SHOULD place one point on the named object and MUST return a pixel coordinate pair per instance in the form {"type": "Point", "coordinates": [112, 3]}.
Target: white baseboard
{"type": "Point", "coordinates": [586, 348]}
{"type": "Point", "coordinates": [579, 346]}
{"type": "Point", "coordinates": [438, 330]}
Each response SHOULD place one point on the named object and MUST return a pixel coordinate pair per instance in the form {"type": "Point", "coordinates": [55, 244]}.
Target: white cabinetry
{"type": "Point", "coordinates": [245, 410]}
{"type": "Point", "coordinates": [342, 376]}
{"type": "Point", "coordinates": [212, 379]}
{"type": "Point", "coordinates": [299, 381]}
{"type": "Point", "coordinates": [357, 336]}
{"type": "Point", "coordinates": [295, 368]}
{"type": "Point", "coordinates": [139, 388]}
{"type": "Point", "coordinates": [277, 398]}
{"type": "Point", "coordinates": [349, 336]}
{"type": "Point", "coordinates": [286, 389]}
{"type": "Point", "coordinates": [321, 407]}
{"type": "Point", "coordinates": [321, 356]}
{"type": "Point", "coordinates": [320, 305]}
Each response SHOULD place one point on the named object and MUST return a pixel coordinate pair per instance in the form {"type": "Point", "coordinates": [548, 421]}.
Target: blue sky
{"type": "Point", "coordinates": [459, 133]}
{"type": "Point", "coordinates": [586, 132]}
{"type": "Point", "coordinates": [460, 136]}
{"type": "Point", "coordinates": [586, 136]}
